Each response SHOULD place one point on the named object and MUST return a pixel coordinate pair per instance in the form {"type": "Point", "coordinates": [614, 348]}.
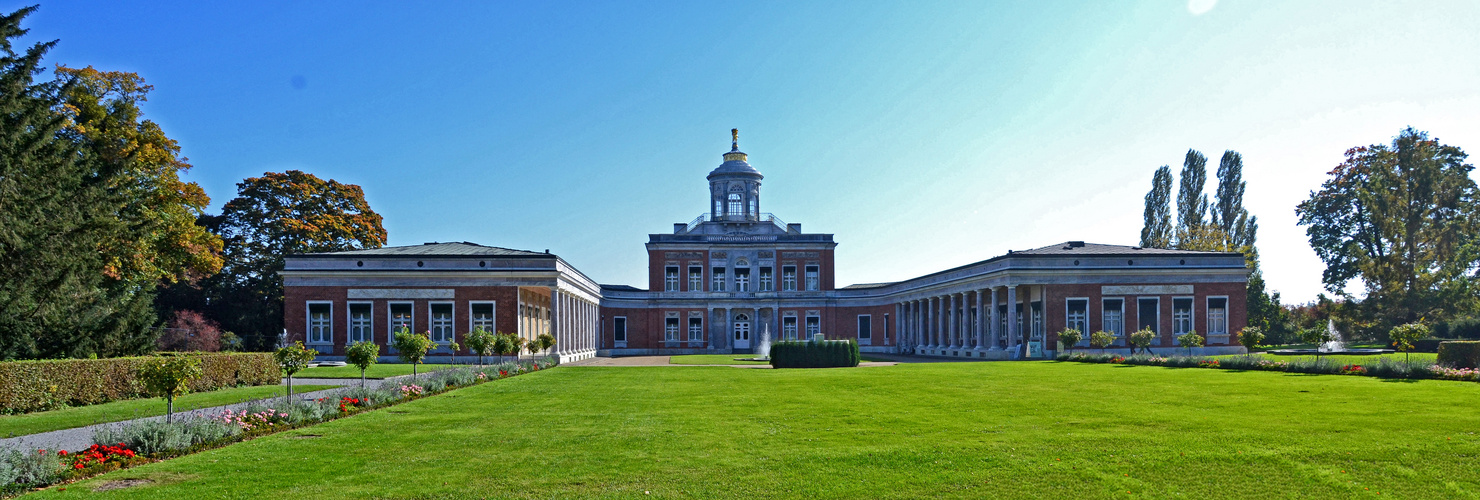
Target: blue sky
{"type": "Point", "coordinates": [925, 135]}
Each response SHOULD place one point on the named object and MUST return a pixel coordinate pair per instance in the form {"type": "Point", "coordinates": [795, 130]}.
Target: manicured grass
{"type": "Point", "coordinates": [1426, 357]}
{"type": "Point", "coordinates": [67, 418]}
{"type": "Point", "coordinates": [713, 359]}
{"type": "Point", "coordinates": [380, 370]}
{"type": "Point", "coordinates": [928, 430]}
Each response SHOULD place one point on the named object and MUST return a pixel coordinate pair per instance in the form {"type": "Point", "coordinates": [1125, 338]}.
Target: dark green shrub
{"type": "Point", "coordinates": [1463, 328]}
{"type": "Point", "coordinates": [1427, 345]}
{"type": "Point", "coordinates": [810, 354]}
{"type": "Point", "coordinates": [27, 386]}
{"type": "Point", "coordinates": [1460, 354]}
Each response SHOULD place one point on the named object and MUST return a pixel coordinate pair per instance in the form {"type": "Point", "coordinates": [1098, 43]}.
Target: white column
{"type": "Point", "coordinates": [994, 324]}
{"type": "Point", "coordinates": [952, 341]}
{"type": "Point", "coordinates": [981, 322]}
{"type": "Point", "coordinates": [1014, 338]}
{"type": "Point", "coordinates": [933, 322]}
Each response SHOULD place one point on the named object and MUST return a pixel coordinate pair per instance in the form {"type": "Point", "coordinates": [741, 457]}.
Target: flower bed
{"type": "Point", "coordinates": [142, 442]}
{"type": "Point", "coordinates": [1383, 368]}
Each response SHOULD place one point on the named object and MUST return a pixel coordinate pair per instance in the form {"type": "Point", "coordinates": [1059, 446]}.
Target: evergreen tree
{"type": "Point", "coordinates": [1229, 215]}
{"type": "Point", "coordinates": [1156, 232]}
{"type": "Point", "coordinates": [1192, 203]}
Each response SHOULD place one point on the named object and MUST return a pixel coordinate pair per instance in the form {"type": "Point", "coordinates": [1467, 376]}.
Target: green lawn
{"type": "Point", "coordinates": [67, 418]}
{"type": "Point", "coordinates": [380, 370]}
{"type": "Point", "coordinates": [1350, 359]}
{"type": "Point", "coordinates": [713, 359]}
{"type": "Point", "coordinates": [928, 430]}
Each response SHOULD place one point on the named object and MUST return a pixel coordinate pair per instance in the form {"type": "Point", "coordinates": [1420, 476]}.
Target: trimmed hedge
{"type": "Point", "coordinates": [1460, 354]}
{"type": "Point", "coordinates": [27, 386]}
{"type": "Point", "coordinates": [813, 354]}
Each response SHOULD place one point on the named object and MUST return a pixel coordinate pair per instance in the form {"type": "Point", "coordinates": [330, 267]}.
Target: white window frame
{"type": "Point", "coordinates": [349, 319]}
{"type": "Point", "coordinates": [766, 281]}
{"type": "Point", "coordinates": [670, 280]}
{"type": "Point", "coordinates": [1210, 314]}
{"type": "Point", "coordinates": [735, 205]}
{"type": "Point", "coordinates": [808, 325]}
{"type": "Point", "coordinates": [865, 339]}
{"type": "Point", "coordinates": [390, 319]}
{"type": "Point", "coordinates": [1083, 323]}
{"type": "Point", "coordinates": [791, 335]}
{"type": "Point", "coordinates": [451, 322]}
{"type": "Point", "coordinates": [492, 320]}
{"type": "Point", "coordinates": [308, 337]}
{"type": "Point", "coordinates": [696, 280]}
{"type": "Point", "coordinates": [742, 280]}
{"type": "Point", "coordinates": [814, 278]}
{"type": "Point", "coordinates": [789, 279]}
{"type": "Point", "coordinates": [1191, 315]}
{"type": "Point", "coordinates": [619, 330]}
{"type": "Point", "coordinates": [696, 334]}
{"type": "Point", "coordinates": [1121, 319]}
{"type": "Point", "coordinates": [718, 281]}
{"type": "Point", "coordinates": [672, 334]}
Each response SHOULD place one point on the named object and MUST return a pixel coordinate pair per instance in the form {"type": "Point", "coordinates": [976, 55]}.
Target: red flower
{"type": "Point", "coordinates": [62, 452]}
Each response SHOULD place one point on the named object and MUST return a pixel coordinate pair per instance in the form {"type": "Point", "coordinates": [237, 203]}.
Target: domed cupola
{"type": "Point", "coordinates": [735, 187]}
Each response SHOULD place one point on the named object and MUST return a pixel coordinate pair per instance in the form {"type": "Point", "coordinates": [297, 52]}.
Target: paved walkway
{"type": "Point", "coordinates": [78, 438]}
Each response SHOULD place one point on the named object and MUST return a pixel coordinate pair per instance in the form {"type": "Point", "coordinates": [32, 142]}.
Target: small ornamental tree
{"type": "Point", "coordinates": [1069, 337]}
{"type": "Point", "coordinates": [292, 359]}
{"type": "Point", "coordinates": [1318, 335]}
{"type": "Point", "coordinates": [546, 341]}
{"type": "Point", "coordinates": [1250, 337]}
{"type": "Point", "coordinates": [1101, 339]}
{"type": "Point", "coordinates": [363, 355]}
{"type": "Point", "coordinates": [481, 342]}
{"type": "Point", "coordinates": [1190, 340]}
{"type": "Point", "coordinates": [533, 346]}
{"type": "Point", "coordinates": [507, 343]}
{"type": "Point", "coordinates": [169, 376]}
{"type": "Point", "coordinates": [1142, 339]}
{"type": "Point", "coordinates": [412, 347]}
{"type": "Point", "coordinates": [1404, 335]}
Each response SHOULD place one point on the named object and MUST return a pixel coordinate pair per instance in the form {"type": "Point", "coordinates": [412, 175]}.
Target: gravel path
{"type": "Point", "coordinates": [79, 438]}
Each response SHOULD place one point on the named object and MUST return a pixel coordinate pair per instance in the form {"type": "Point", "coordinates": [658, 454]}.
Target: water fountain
{"type": "Point", "coordinates": [1334, 346]}
{"type": "Point", "coordinates": [762, 346]}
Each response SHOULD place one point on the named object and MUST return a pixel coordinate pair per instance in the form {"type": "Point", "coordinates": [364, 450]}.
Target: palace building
{"type": "Point", "coordinates": [734, 274]}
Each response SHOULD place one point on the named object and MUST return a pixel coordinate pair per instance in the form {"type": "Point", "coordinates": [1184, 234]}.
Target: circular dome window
{"type": "Point", "coordinates": [420, 263]}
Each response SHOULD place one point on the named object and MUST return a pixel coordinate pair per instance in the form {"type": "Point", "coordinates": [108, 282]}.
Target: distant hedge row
{"type": "Point", "coordinates": [27, 386]}
{"type": "Point", "coordinates": [1460, 354]}
{"type": "Point", "coordinates": [814, 354]}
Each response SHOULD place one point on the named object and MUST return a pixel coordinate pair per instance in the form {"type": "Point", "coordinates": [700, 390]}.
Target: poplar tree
{"type": "Point", "coordinates": [1156, 232]}
{"type": "Point", "coordinates": [1229, 215]}
{"type": "Point", "coordinates": [1192, 203]}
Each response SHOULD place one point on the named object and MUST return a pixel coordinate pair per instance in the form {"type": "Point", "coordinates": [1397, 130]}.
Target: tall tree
{"type": "Point", "coordinates": [52, 215]}
{"type": "Point", "coordinates": [1404, 219]}
{"type": "Point", "coordinates": [1229, 213]}
{"type": "Point", "coordinates": [1192, 203]}
{"type": "Point", "coordinates": [272, 216]}
{"type": "Point", "coordinates": [1156, 232]}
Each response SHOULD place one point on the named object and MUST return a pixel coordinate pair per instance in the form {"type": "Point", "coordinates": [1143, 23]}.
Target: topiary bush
{"type": "Point", "coordinates": [814, 354]}
{"type": "Point", "coordinates": [27, 386]}
{"type": "Point", "coordinates": [1460, 354]}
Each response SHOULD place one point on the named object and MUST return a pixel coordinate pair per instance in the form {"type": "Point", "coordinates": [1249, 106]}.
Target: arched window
{"type": "Point", "coordinates": [737, 207]}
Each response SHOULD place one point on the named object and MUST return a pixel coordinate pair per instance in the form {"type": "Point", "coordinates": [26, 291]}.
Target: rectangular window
{"type": "Point", "coordinates": [1113, 316]}
{"type": "Point", "coordinates": [359, 322]}
{"type": "Point", "coordinates": [814, 326]}
{"type": "Point", "coordinates": [765, 283]}
{"type": "Point", "coordinates": [1217, 315]}
{"type": "Point", "coordinates": [742, 279]}
{"type": "Point", "coordinates": [401, 318]}
{"type": "Point", "coordinates": [1181, 315]}
{"type": "Point", "coordinates": [1148, 314]}
{"type": "Point", "coordinates": [789, 278]}
{"type": "Point", "coordinates": [696, 279]}
{"type": "Point", "coordinates": [719, 280]}
{"type": "Point", "coordinates": [789, 328]}
{"type": "Point", "coordinates": [320, 326]}
{"type": "Point", "coordinates": [480, 315]}
{"type": "Point", "coordinates": [441, 322]}
{"type": "Point", "coordinates": [811, 277]}
{"type": "Point", "coordinates": [1036, 322]}
{"type": "Point", "coordinates": [865, 328]}
{"type": "Point", "coordinates": [1078, 316]}
{"type": "Point", "coordinates": [619, 329]}
{"type": "Point", "coordinates": [696, 329]}
{"type": "Point", "coordinates": [670, 330]}
{"type": "Point", "coordinates": [670, 279]}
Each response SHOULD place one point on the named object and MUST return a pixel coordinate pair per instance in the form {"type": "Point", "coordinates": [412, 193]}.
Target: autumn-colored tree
{"type": "Point", "coordinates": [1404, 219]}
{"type": "Point", "coordinates": [190, 331]}
{"type": "Point", "coordinates": [275, 215]}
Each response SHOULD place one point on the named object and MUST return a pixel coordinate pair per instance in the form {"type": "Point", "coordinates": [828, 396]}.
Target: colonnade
{"type": "Point", "coordinates": [577, 324]}
{"type": "Point", "coordinates": [965, 323]}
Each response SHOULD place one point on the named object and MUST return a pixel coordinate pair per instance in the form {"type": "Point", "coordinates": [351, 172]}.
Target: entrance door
{"type": "Point", "coordinates": [742, 331]}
